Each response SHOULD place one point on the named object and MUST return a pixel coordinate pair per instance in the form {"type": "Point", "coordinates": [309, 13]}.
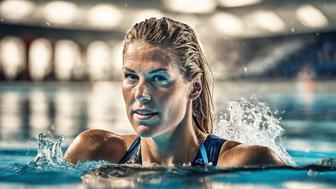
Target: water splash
{"type": "Point", "coordinates": [250, 121]}
{"type": "Point", "coordinates": [49, 152]}
{"type": "Point", "coordinates": [50, 157]}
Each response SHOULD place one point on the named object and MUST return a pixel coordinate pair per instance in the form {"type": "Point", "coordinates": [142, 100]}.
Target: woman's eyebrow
{"type": "Point", "coordinates": [151, 72]}
{"type": "Point", "coordinates": [158, 70]}
{"type": "Point", "coordinates": [127, 69]}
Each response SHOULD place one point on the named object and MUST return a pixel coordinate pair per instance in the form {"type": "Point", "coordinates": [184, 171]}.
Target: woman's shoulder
{"type": "Point", "coordinates": [96, 144]}
{"type": "Point", "coordinates": [234, 154]}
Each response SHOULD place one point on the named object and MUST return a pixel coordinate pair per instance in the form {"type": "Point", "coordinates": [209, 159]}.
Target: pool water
{"type": "Point", "coordinates": [309, 119]}
{"type": "Point", "coordinates": [15, 171]}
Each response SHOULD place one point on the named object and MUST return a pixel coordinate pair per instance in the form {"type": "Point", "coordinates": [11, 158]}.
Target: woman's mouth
{"type": "Point", "coordinates": [143, 114]}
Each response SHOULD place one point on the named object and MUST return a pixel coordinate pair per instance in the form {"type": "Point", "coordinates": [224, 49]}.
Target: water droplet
{"type": "Point", "coordinates": [48, 23]}
{"type": "Point", "coordinates": [292, 30]}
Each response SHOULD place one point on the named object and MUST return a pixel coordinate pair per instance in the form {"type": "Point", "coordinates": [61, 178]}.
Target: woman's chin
{"type": "Point", "coordinates": [145, 131]}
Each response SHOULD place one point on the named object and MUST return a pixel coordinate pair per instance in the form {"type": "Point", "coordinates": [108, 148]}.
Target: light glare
{"type": "Point", "coordinates": [16, 9]}
{"type": "Point", "coordinates": [268, 21]}
{"type": "Point", "coordinates": [104, 16]}
{"type": "Point", "coordinates": [191, 6]}
{"type": "Point", "coordinates": [40, 59]}
{"type": "Point", "coordinates": [61, 12]}
{"type": "Point", "coordinates": [227, 24]}
{"type": "Point", "coordinates": [98, 59]}
{"type": "Point", "coordinates": [12, 55]}
{"type": "Point", "coordinates": [311, 16]}
{"type": "Point", "coordinates": [67, 56]}
{"type": "Point", "coordinates": [237, 3]}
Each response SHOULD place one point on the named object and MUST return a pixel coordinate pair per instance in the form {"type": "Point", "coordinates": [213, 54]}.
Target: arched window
{"type": "Point", "coordinates": [40, 59]}
{"type": "Point", "coordinates": [67, 60]}
{"type": "Point", "coordinates": [12, 56]}
{"type": "Point", "coordinates": [99, 60]}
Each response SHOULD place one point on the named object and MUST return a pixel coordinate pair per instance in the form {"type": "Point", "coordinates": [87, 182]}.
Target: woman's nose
{"type": "Point", "coordinates": [142, 93]}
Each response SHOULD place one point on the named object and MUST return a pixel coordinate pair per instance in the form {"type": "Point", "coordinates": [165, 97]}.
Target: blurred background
{"type": "Point", "coordinates": [60, 62]}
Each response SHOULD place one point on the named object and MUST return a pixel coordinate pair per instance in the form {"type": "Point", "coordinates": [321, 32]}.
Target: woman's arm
{"type": "Point", "coordinates": [234, 154]}
{"type": "Point", "coordinates": [94, 145]}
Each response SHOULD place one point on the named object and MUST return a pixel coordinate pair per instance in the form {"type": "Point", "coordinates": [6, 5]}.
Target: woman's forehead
{"type": "Point", "coordinates": [142, 51]}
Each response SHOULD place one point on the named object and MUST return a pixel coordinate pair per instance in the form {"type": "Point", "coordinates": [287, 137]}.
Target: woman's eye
{"type": "Point", "coordinates": [163, 80]}
{"type": "Point", "coordinates": [159, 78]}
{"type": "Point", "coordinates": [131, 77]}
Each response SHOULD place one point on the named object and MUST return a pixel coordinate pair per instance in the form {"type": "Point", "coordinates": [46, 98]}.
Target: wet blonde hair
{"type": "Point", "coordinates": [182, 40]}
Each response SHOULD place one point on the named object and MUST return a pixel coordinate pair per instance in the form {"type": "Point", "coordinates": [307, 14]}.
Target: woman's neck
{"type": "Point", "coordinates": [175, 147]}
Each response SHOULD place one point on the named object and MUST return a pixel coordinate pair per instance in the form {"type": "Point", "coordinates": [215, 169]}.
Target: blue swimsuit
{"type": "Point", "coordinates": [208, 153]}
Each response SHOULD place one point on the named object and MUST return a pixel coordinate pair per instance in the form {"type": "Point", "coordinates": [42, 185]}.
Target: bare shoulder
{"type": "Point", "coordinates": [96, 144]}
{"type": "Point", "coordinates": [234, 154]}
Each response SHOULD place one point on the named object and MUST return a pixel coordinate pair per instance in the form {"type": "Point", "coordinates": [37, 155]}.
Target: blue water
{"type": "Point", "coordinates": [15, 169]}
{"type": "Point", "coordinates": [26, 111]}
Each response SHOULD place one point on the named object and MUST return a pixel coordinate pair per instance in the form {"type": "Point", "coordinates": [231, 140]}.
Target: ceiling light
{"type": "Point", "coordinates": [104, 16]}
{"type": "Point", "coordinates": [237, 3]}
{"type": "Point", "coordinates": [191, 6]}
{"type": "Point", "coordinates": [267, 20]}
{"type": "Point", "coordinates": [16, 9]}
{"type": "Point", "coordinates": [311, 16]}
{"type": "Point", "coordinates": [227, 24]}
{"type": "Point", "coordinates": [61, 12]}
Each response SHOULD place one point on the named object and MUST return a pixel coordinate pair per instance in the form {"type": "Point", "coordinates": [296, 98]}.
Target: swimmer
{"type": "Point", "coordinates": [167, 89]}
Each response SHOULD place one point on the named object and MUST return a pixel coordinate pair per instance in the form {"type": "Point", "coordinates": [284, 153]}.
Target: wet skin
{"type": "Point", "coordinates": [153, 83]}
{"type": "Point", "coordinates": [159, 107]}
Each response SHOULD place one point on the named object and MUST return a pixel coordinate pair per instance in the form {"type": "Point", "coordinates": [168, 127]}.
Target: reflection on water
{"type": "Point", "coordinates": [63, 109]}
{"type": "Point", "coordinates": [38, 108]}
{"type": "Point", "coordinates": [11, 110]}
{"type": "Point", "coordinates": [66, 109]}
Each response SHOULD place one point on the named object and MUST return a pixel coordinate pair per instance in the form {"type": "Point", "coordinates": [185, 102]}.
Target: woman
{"type": "Point", "coordinates": [168, 97]}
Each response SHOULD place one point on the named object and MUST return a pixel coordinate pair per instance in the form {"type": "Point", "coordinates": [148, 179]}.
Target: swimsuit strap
{"type": "Point", "coordinates": [133, 155]}
{"type": "Point", "coordinates": [204, 154]}
{"type": "Point", "coordinates": [209, 151]}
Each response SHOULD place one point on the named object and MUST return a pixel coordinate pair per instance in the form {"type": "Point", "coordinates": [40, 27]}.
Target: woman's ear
{"type": "Point", "coordinates": [196, 88]}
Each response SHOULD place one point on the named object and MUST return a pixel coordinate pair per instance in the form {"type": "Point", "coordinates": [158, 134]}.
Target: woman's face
{"type": "Point", "coordinates": [155, 93]}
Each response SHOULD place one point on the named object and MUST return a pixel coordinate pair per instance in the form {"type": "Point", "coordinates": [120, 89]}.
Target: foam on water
{"type": "Point", "coordinates": [250, 121]}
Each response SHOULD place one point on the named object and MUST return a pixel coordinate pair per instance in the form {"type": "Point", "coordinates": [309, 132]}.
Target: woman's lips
{"type": "Point", "coordinates": [145, 114]}
{"type": "Point", "coordinates": [144, 117]}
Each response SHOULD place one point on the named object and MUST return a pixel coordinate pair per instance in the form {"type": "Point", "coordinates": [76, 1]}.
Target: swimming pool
{"type": "Point", "coordinates": [26, 109]}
